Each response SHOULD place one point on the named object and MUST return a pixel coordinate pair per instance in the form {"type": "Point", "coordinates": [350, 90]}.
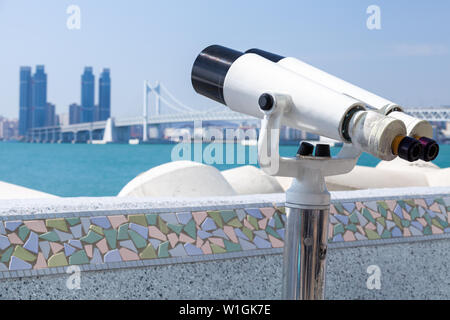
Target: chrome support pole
{"type": "Point", "coordinates": [305, 251]}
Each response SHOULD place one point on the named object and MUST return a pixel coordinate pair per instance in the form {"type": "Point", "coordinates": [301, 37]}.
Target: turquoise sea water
{"type": "Point", "coordinates": [102, 170]}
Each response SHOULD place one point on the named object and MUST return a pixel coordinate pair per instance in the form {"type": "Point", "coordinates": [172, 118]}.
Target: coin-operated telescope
{"type": "Point", "coordinates": [259, 85]}
{"type": "Point", "coordinates": [416, 128]}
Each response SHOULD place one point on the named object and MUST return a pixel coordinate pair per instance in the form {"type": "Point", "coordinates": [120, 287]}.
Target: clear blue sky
{"type": "Point", "coordinates": [407, 61]}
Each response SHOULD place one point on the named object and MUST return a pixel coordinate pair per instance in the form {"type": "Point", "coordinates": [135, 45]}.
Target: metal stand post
{"type": "Point", "coordinates": [307, 204]}
{"type": "Point", "coordinates": [304, 259]}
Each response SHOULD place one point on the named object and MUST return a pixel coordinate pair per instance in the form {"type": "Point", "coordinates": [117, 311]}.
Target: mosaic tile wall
{"type": "Point", "coordinates": [98, 240]}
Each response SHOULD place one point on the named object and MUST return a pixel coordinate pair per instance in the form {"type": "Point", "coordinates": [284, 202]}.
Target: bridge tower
{"type": "Point", "coordinates": [144, 111]}
{"type": "Point", "coordinates": [157, 90]}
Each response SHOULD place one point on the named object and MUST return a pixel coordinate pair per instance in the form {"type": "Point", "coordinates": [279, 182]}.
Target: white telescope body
{"type": "Point", "coordinates": [238, 80]}
{"type": "Point", "coordinates": [414, 126]}
{"type": "Point", "coordinates": [258, 85]}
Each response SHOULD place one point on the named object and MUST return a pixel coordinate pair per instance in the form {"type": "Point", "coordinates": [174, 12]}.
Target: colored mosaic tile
{"type": "Point", "coordinates": [57, 260]}
{"type": "Point", "coordinates": [231, 247]}
{"type": "Point", "coordinates": [148, 253]}
{"type": "Point", "coordinates": [7, 254]}
{"type": "Point", "coordinates": [216, 217]}
{"type": "Point", "coordinates": [381, 220]}
{"type": "Point", "coordinates": [162, 225]}
{"type": "Point", "coordinates": [101, 221]}
{"type": "Point", "coordinates": [217, 249]}
{"type": "Point", "coordinates": [163, 250]}
{"type": "Point", "coordinates": [4, 242]}
{"type": "Point", "coordinates": [73, 221]}
{"type": "Point", "coordinates": [96, 229]}
{"type": "Point", "coordinates": [354, 218]}
{"type": "Point", "coordinates": [24, 254]}
{"type": "Point", "coordinates": [175, 228]}
{"type": "Point", "coordinates": [253, 221]}
{"type": "Point", "coordinates": [111, 237]}
{"type": "Point", "coordinates": [278, 222]}
{"type": "Point", "coordinates": [68, 249]}
{"type": "Point", "coordinates": [351, 227]}
{"type": "Point", "coordinates": [58, 223]}
{"type": "Point", "coordinates": [112, 256]}
{"type": "Point", "coordinates": [151, 219]}
{"type": "Point", "coordinates": [183, 217]}
{"type": "Point", "coordinates": [235, 223]}
{"type": "Point", "coordinates": [23, 232]}
{"type": "Point", "coordinates": [38, 244]}
{"type": "Point", "coordinates": [138, 240]}
{"type": "Point", "coordinates": [272, 232]}
{"type": "Point", "coordinates": [79, 257]}
{"type": "Point", "coordinates": [338, 229]}
{"type": "Point", "coordinates": [12, 225]}
{"type": "Point", "coordinates": [138, 219]}
{"type": "Point", "coordinates": [190, 229]}
{"type": "Point", "coordinates": [18, 264]}
{"type": "Point", "coordinates": [37, 226]}
{"type": "Point", "coordinates": [227, 215]}
{"type": "Point", "coordinates": [366, 214]}
{"type": "Point", "coordinates": [91, 237]}
{"type": "Point", "coordinates": [50, 236]}
{"type": "Point", "coordinates": [123, 232]}
{"type": "Point", "coordinates": [141, 230]}
{"type": "Point", "coordinates": [248, 233]}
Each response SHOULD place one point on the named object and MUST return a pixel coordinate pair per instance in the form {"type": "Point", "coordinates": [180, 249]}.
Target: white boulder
{"type": "Point", "coordinates": [12, 191]}
{"type": "Point", "coordinates": [251, 180]}
{"type": "Point", "coordinates": [178, 179]}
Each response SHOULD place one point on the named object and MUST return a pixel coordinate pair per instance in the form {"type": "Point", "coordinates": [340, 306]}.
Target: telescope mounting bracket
{"type": "Point", "coordinates": [308, 188]}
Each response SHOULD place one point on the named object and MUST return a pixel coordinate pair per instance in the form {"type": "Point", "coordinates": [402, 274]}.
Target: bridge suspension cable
{"type": "Point", "coordinates": [162, 86]}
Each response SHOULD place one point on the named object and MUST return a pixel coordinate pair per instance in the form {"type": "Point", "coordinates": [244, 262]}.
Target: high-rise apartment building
{"type": "Point", "coordinates": [104, 95]}
{"type": "Point", "coordinates": [75, 113]}
{"type": "Point", "coordinates": [24, 100]}
{"type": "Point", "coordinates": [50, 117]}
{"type": "Point", "coordinates": [38, 97]}
{"type": "Point", "coordinates": [87, 95]}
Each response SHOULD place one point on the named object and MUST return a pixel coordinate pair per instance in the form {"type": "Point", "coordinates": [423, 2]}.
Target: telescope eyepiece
{"type": "Point", "coordinates": [430, 149]}
{"type": "Point", "coordinates": [408, 148]}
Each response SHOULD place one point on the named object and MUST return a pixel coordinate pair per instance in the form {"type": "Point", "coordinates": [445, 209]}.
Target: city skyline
{"type": "Point", "coordinates": [407, 60]}
{"type": "Point", "coordinates": [35, 111]}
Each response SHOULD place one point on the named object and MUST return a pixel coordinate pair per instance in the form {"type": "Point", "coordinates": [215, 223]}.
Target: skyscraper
{"type": "Point", "coordinates": [50, 115]}
{"type": "Point", "coordinates": [87, 95]}
{"type": "Point", "coordinates": [25, 100]}
{"type": "Point", "coordinates": [104, 95]}
{"type": "Point", "coordinates": [38, 97]}
{"type": "Point", "coordinates": [74, 113]}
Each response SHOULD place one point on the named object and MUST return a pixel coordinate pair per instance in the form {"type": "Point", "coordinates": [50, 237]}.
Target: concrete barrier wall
{"type": "Point", "coordinates": [111, 240]}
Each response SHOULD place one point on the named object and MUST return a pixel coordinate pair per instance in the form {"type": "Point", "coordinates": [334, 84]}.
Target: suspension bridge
{"type": "Point", "coordinates": [165, 110]}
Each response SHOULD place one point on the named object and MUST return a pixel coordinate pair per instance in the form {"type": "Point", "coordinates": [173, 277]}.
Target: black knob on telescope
{"type": "Point", "coordinates": [305, 149]}
{"type": "Point", "coordinates": [266, 101]}
{"type": "Point", "coordinates": [210, 69]}
{"type": "Point", "coordinates": [322, 150]}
